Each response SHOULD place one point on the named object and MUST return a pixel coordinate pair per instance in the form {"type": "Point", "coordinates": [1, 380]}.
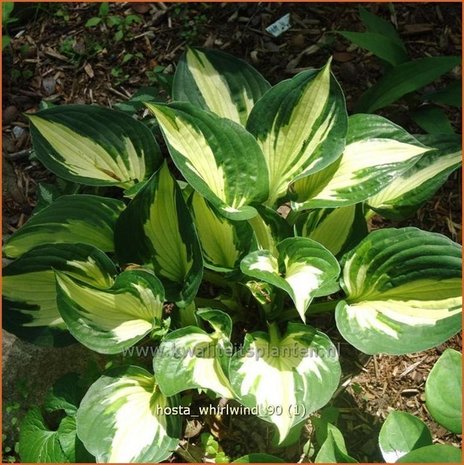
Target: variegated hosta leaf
{"type": "Point", "coordinates": [285, 378]}
{"type": "Point", "coordinates": [406, 193]}
{"type": "Point", "coordinates": [124, 418]}
{"type": "Point", "coordinates": [29, 288]}
{"type": "Point", "coordinates": [85, 219]}
{"type": "Point", "coordinates": [402, 433]}
{"type": "Point", "coordinates": [269, 229]}
{"type": "Point", "coordinates": [114, 319]}
{"type": "Point", "coordinates": [218, 82]}
{"type": "Point", "coordinates": [304, 269]}
{"type": "Point", "coordinates": [156, 230]}
{"type": "Point", "coordinates": [376, 152]}
{"type": "Point", "coordinates": [403, 290]}
{"type": "Point", "coordinates": [191, 358]}
{"type": "Point", "coordinates": [300, 125]}
{"type": "Point", "coordinates": [337, 229]}
{"type": "Point", "coordinates": [94, 146]}
{"type": "Point", "coordinates": [223, 242]}
{"type": "Point", "coordinates": [218, 157]}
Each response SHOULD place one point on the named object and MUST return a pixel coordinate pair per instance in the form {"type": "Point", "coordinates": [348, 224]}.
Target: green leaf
{"type": "Point", "coordinates": [403, 292]}
{"type": "Point", "coordinates": [337, 229]}
{"type": "Point", "coordinates": [376, 152]}
{"type": "Point", "coordinates": [402, 433]}
{"type": "Point", "coordinates": [191, 358]}
{"type": "Point", "coordinates": [92, 22]}
{"type": "Point", "coordinates": [443, 391]}
{"type": "Point", "coordinates": [115, 20]}
{"type": "Point", "coordinates": [64, 395]}
{"type": "Point", "coordinates": [29, 289]}
{"type": "Point", "coordinates": [258, 457]}
{"type": "Point", "coordinates": [70, 444]}
{"type": "Point", "coordinates": [333, 450]}
{"type": "Point", "coordinates": [94, 146]}
{"type": "Point", "coordinates": [436, 453]}
{"type": "Point", "coordinates": [216, 156]}
{"type": "Point", "coordinates": [124, 418]}
{"type": "Point", "coordinates": [328, 416]}
{"type": "Point", "coordinates": [432, 120]}
{"type": "Point", "coordinates": [104, 9]}
{"type": "Point", "coordinates": [111, 320]}
{"type": "Point", "coordinates": [383, 47]}
{"type": "Point", "coordinates": [130, 19]}
{"type": "Point", "coordinates": [218, 82]}
{"type": "Point", "coordinates": [118, 36]}
{"type": "Point", "coordinates": [156, 230]}
{"type": "Point", "coordinates": [406, 193]}
{"type": "Point", "coordinates": [300, 125]}
{"type": "Point", "coordinates": [379, 25]}
{"type": "Point", "coordinates": [37, 442]}
{"type": "Point", "coordinates": [85, 219]}
{"type": "Point", "coordinates": [286, 378]}
{"type": "Point", "coordinates": [303, 269]}
{"type": "Point", "coordinates": [7, 8]}
{"type": "Point", "coordinates": [404, 79]}
{"type": "Point", "coordinates": [223, 242]}
{"type": "Point", "coordinates": [450, 95]}
{"type": "Point", "coordinates": [46, 195]}
{"type": "Point", "coordinates": [6, 40]}
{"type": "Point", "coordinates": [269, 229]}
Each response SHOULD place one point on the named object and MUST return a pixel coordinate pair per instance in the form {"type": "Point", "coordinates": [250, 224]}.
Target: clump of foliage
{"type": "Point", "coordinates": [242, 281]}
{"type": "Point", "coordinates": [113, 22]}
{"type": "Point", "coordinates": [404, 77]}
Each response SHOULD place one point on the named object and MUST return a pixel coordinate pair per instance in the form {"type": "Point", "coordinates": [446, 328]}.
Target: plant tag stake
{"type": "Point", "coordinates": [280, 26]}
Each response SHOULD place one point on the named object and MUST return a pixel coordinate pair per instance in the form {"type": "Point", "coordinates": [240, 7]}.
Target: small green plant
{"type": "Point", "coordinates": [62, 12]}
{"type": "Point", "coordinates": [403, 76]}
{"type": "Point", "coordinates": [190, 271]}
{"type": "Point", "coordinates": [12, 414]}
{"type": "Point", "coordinates": [7, 19]}
{"type": "Point", "coordinates": [119, 72]}
{"type": "Point", "coordinates": [160, 78]}
{"type": "Point", "coordinates": [192, 23]}
{"type": "Point", "coordinates": [212, 449]}
{"type": "Point", "coordinates": [10, 445]}
{"type": "Point", "coordinates": [67, 47]}
{"type": "Point", "coordinates": [120, 24]}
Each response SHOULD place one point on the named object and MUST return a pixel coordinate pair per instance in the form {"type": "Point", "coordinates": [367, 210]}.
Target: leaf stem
{"type": "Point", "coordinates": [202, 302]}
{"type": "Point", "coordinates": [314, 309]}
{"type": "Point", "coordinates": [188, 315]}
{"type": "Point", "coordinates": [292, 217]}
{"type": "Point", "coordinates": [369, 214]}
{"type": "Point", "coordinates": [217, 279]}
{"type": "Point", "coordinates": [274, 334]}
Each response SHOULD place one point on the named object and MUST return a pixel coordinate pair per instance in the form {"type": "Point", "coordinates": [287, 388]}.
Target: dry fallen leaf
{"type": "Point", "coordinates": [89, 70]}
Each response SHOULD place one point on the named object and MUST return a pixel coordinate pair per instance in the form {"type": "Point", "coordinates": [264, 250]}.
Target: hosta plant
{"type": "Point", "coordinates": [218, 251]}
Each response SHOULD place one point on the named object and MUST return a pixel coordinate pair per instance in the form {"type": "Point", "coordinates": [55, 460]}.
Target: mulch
{"type": "Point", "coordinates": [55, 58]}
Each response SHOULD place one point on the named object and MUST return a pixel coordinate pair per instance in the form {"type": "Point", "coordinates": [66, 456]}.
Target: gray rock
{"type": "Point", "coordinates": [29, 371]}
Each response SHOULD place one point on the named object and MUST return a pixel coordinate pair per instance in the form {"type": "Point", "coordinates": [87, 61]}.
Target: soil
{"type": "Point", "coordinates": [55, 58]}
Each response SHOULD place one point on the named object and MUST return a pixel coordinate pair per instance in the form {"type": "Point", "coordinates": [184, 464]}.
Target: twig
{"type": "Point", "coordinates": [21, 155]}
{"type": "Point", "coordinates": [119, 94]}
